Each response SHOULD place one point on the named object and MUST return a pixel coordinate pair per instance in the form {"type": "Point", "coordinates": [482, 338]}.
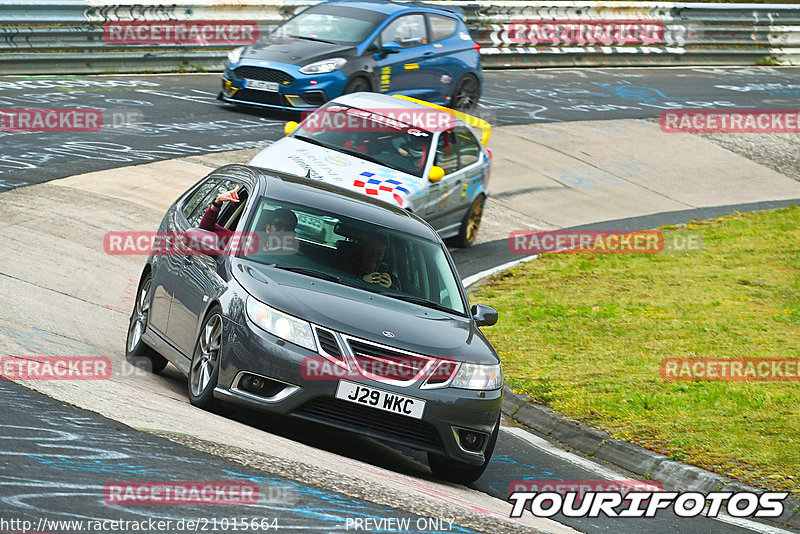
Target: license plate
{"type": "Point", "coordinates": [261, 86]}
{"type": "Point", "coordinates": [382, 400]}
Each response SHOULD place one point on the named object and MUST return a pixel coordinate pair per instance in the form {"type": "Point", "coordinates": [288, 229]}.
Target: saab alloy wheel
{"type": "Point", "coordinates": [137, 352]}
{"type": "Point", "coordinates": [204, 369]}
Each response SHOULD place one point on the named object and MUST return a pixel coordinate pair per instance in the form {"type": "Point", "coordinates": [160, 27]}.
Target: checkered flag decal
{"type": "Point", "coordinates": [373, 185]}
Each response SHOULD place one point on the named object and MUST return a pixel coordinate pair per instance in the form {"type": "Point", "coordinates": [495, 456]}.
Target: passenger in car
{"type": "Point", "coordinates": [281, 222]}
{"type": "Point", "coordinates": [366, 262]}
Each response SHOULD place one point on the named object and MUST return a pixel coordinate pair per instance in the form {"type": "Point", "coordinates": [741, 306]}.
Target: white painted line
{"type": "Point", "coordinates": [468, 281]}
{"type": "Point", "coordinates": [553, 450]}
{"type": "Point", "coordinates": [608, 474]}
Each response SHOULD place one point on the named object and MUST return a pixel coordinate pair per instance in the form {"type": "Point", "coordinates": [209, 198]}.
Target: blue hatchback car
{"type": "Point", "coordinates": [349, 46]}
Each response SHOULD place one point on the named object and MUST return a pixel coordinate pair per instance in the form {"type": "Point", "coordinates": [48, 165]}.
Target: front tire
{"type": "Point", "coordinates": [461, 472]}
{"type": "Point", "coordinates": [471, 223]}
{"type": "Point", "coordinates": [358, 84]}
{"type": "Point", "coordinates": [137, 353]}
{"type": "Point", "coordinates": [204, 369]}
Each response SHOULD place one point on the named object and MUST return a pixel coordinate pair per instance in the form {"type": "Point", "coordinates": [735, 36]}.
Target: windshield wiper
{"type": "Point", "coordinates": [419, 300]}
{"type": "Point", "coordinates": [307, 272]}
{"type": "Point", "coordinates": [312, 39]}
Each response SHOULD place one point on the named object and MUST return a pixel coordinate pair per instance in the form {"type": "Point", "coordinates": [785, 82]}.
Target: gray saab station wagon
{"type": "Point", "coordinates": [355, 319]}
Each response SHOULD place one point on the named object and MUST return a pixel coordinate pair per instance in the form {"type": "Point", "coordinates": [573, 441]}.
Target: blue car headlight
{"type": "Point", "coordinates": [281, 324]}
{"type": "Point", "coordinates": [324, 66]}
{"type": "Point", "coordinates": [235, 54]}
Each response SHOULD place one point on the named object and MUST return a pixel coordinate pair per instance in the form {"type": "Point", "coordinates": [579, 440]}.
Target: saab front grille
{"type": "Point", "coordinates": [327, 341]}
{"type": "Point", "coordinates": [378, 424]}
{"type": "Point", "coordinates": [264, 75]}
{"type": "Point", "coordinates": [384, 363]}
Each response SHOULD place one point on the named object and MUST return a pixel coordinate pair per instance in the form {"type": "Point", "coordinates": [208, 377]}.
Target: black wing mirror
{"type": "Point", "coordinates": [484, 315]}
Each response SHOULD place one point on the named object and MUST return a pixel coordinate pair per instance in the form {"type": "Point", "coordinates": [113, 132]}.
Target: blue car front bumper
{"type": "Point", "coordinates": [295, 91]}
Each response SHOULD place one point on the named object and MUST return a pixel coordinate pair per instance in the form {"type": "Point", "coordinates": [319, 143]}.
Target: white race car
{"type": "Point", "coordinates": [426, 158]}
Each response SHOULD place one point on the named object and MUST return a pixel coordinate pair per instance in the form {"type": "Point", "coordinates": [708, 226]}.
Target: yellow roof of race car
{"type": "Point", "coordinates": [481, 124]}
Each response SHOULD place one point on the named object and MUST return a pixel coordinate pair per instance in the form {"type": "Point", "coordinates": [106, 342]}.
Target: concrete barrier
{"type": "Point", "coordinates": [72, 36]}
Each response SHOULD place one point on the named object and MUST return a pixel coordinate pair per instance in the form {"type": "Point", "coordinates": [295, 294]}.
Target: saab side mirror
{"type": "Point", "coordinates": [289, 127]}
{"type": "Point", "coordinates": [484, 315]}
{"type": "Point", "coordinates": [436, 173]}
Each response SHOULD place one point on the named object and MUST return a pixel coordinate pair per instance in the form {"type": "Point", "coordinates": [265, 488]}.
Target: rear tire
{"type": "Point", "coordinates": [137, 353]}
{"type": "Point", "coordinates": [358, 84]}
{"type": "Point", "coordinates": [466, 95]}
{"type": "Point", "coordinates": [204, 369]}
{"type": "Point", "coordinates": [461, 472]}
{"type": "Point", "coordinates": [471, 223]}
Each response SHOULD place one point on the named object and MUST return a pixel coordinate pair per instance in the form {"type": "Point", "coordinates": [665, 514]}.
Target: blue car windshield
{"type": "Point", "coordinates": [320, 243]}
{"type": "Point", "coordinates": [333, 24]}
{"type": "Point", "coordinates": [378, 137]}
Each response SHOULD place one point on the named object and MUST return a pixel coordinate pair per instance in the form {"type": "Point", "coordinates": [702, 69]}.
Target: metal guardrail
{"type": "Point", "coordinates": [68, 37]}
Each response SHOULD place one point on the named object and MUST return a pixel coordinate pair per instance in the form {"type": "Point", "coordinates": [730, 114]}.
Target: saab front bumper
{"type": "Point", "coordinates": [287, 390]}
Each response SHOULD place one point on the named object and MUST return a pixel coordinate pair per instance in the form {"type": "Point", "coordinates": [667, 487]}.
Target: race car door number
{"type": "Point", "coordinates": [380, 399]}
{"type": "Point", "coordinates": [260, 85]}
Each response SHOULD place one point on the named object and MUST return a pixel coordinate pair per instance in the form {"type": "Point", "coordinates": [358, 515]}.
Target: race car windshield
{"type": "Point", "coordinates": [376, 137]}
{"type": "Point", "coordinates": [332, 24]}
{"type": "Point", "coordinates": [337, 248]}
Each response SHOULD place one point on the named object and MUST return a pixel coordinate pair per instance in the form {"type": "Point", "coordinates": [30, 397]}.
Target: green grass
{"type": "Point", "coordinates": [585, 335]}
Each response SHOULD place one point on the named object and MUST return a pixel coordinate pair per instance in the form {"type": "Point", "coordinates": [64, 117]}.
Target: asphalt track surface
{"type": "Point", "coordinates": [56, 461]}
{"type": "Point", "coordinates": [148, 118]}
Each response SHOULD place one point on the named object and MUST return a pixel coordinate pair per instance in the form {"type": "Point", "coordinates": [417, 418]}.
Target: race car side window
{"type": "Point", "coordinates": [441, 27]}
{"type": "Point", "coordinates": [446, 156]}
{"type": "Point", "coordinates": [469, 151]}
{"type": "Point", "coordinates": [407, 31]}
{"type": "Point", "coordinates": [196, 203]}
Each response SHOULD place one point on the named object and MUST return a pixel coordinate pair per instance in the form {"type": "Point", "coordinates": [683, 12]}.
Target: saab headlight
{"type": "Point", "coordinates": [281, 324]}
{"type": "Point", "coordinates": [326, 65]}
{"type": "Point", "coordinates": [235, 54]}
{"type": "Point", "coordinates": [481, 377]}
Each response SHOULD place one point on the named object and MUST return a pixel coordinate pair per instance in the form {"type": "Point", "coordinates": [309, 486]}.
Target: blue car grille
{"type": "Point", "coordinates": [260, 97]}
{"type": "Point", "coordinates": [371, 422]}
{"type": "Point", "coordinates": [264, 75]}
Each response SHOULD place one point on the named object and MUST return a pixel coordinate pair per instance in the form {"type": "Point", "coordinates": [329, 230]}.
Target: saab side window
{"type": "Point", "coordinates": [196, 205]}
{"type": "Point", "coordinates": [469, 151]}
{"type": "Point", "coordinates": [231, 211]}
{"type": "Point", "coordinates": [446, 155]}
{"type": "Point", "coordinates": [407, 31]}
{"type": "Point", "coordinates": [441, 27]}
